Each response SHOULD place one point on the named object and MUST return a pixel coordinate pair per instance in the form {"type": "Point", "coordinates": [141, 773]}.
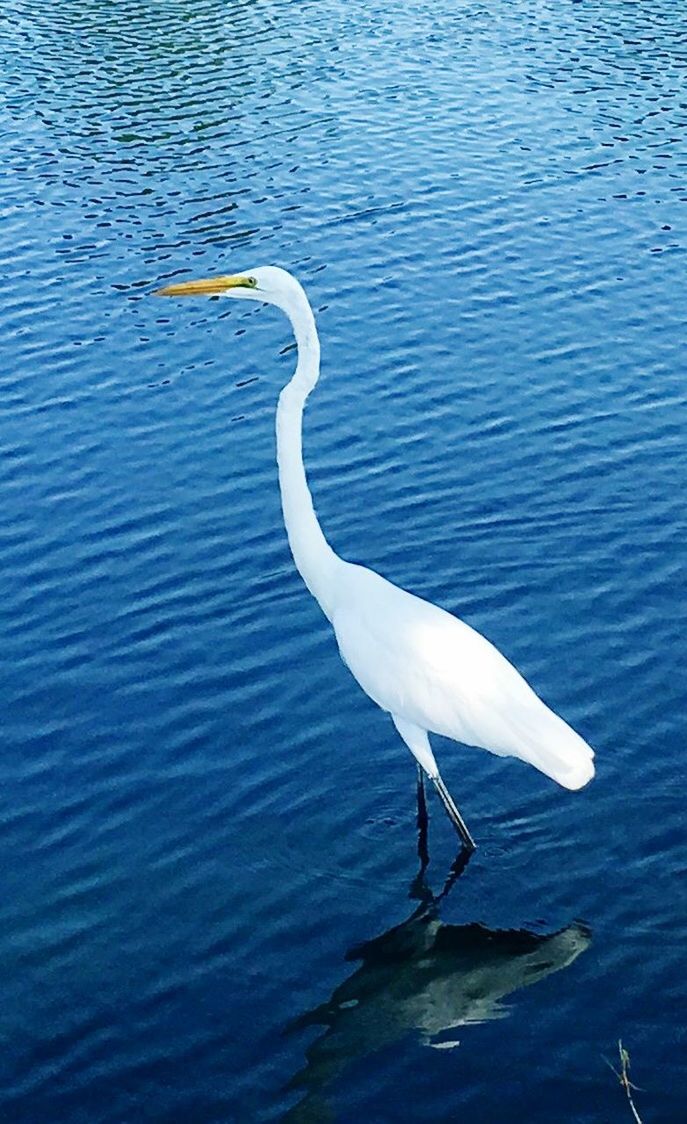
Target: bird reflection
{"type": "Point", "coordinates": [423, 977]}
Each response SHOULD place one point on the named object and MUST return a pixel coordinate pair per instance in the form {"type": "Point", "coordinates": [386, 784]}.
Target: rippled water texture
{"type": "Point", "coordinates": [208, 855]}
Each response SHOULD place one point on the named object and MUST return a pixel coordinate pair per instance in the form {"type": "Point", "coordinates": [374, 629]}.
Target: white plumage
{"type": "Point", "coordinates": [430, 671]}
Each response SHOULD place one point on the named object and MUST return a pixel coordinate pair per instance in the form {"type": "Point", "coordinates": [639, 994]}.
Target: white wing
{"type": "Point", "coordinates": [424, 665]}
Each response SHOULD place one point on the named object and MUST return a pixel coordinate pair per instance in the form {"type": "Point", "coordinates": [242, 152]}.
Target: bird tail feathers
{"type": "Point", "coordinates": [553, 747]}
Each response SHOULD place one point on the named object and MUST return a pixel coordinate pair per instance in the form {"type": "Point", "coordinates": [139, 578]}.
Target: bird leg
{"type": "Point", "coordinates": [418, 743]}
{"type": "Point", "coordinates": [453, 813]}
{"type": "Point", "coordinates": [422, 822]}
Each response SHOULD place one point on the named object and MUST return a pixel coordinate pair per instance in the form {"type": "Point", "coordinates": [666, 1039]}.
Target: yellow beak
{"type": "Point", "coordinates": [207, 286]}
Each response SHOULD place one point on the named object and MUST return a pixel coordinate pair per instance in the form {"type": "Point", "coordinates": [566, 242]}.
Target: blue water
{"type": "Point", "coordinates": [210, 907]}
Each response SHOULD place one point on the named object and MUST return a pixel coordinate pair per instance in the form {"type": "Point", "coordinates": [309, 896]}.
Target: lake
{"type": "Point", "coordinates": [211, 903]}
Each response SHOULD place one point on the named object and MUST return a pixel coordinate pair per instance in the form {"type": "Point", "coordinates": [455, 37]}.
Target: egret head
{"type": "Point", "coordinates": [267, 284]}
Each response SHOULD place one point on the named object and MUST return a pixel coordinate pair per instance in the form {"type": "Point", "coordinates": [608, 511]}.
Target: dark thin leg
{"type": "Point", "coordinates": [419, 888]}
{"type": "Point", "coordinates": [453, 813]}
{"type": "Point", "coordinates": [422, 822]}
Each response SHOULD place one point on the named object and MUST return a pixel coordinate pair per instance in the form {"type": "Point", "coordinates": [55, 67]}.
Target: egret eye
{"type": "Point", "coordinates": [251, 283]}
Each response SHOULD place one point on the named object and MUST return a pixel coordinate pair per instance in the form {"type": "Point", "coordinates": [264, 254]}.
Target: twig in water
{"type": "Point", "coordinates": [624, 1078]}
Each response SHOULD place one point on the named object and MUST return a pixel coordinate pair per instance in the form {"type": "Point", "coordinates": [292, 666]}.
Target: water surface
{"type": "Point", "coordinates": [207, 833]}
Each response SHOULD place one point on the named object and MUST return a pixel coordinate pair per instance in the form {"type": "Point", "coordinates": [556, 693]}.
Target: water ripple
{"type": "Point", "coordinates": [199, 812]}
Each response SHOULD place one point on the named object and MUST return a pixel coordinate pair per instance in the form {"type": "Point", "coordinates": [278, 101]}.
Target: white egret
{"type": "Point", "coordinates": [429, 670]}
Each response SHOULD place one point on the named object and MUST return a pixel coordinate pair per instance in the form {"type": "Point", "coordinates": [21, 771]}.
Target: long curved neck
{"type": "Point", "coordinates": [316, 561]}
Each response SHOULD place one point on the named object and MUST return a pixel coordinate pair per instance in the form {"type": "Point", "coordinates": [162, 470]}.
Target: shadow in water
{"type": "Point", "coordinates": [423, 977]}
